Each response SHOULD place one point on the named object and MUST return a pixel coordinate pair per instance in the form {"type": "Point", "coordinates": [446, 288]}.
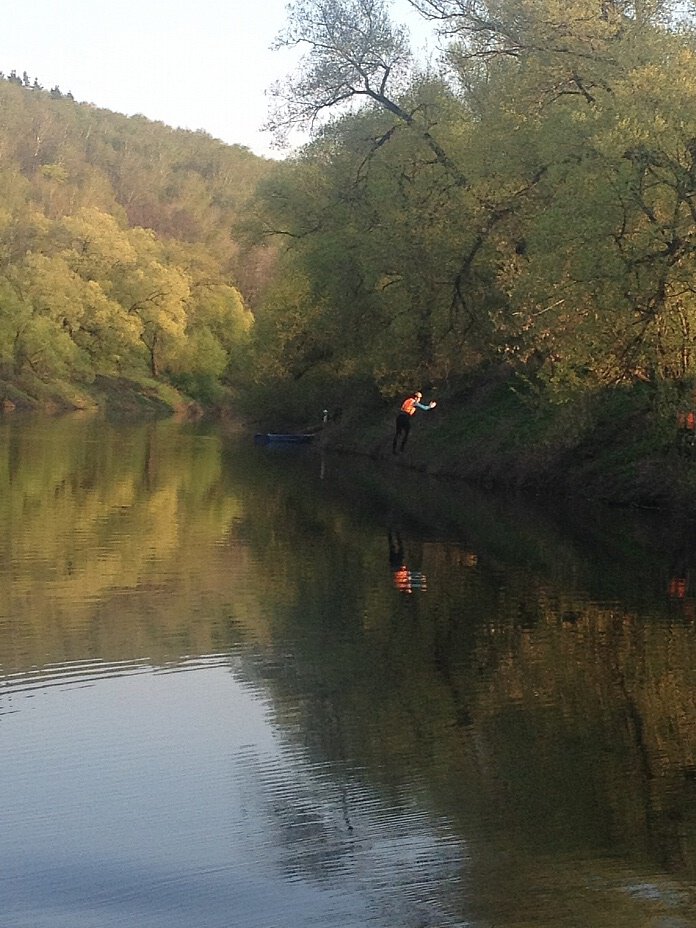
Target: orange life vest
{"type": "Point", "coordinates": [409, 406]}
{"type": "Point", "coordinates": [687, 420]}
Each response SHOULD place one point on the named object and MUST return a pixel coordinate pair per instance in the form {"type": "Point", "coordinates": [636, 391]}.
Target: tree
{"type": "Point", "coordinates": [356, 55]}
{"type": "Point", "coordinates": [564, 241]}
{"type": "Point", "coordinates": [354, 52]}
{"type": "Point", "coordinates": [155, 294]}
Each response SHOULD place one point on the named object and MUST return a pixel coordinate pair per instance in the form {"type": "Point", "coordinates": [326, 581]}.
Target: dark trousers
{"type": "Point", "coordinates": [403, 427]}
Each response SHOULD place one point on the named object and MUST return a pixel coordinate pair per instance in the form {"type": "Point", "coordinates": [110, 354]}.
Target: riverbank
{"type": "Point", "coordinates": [620, 446]}
{"type": "Point", "coordinates": [119, 396]}
{"type": "Point", "coordinates": [617, 445]}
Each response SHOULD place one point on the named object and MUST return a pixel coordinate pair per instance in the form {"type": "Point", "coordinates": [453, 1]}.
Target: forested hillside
{"type": "Point", "coordinates": [118, 255]}
{"type": "Point", "coordinates": [521, 209]}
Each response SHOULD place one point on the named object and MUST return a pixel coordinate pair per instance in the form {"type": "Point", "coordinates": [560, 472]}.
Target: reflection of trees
{"type": "Point", "coordinates": [620, 687]}
{"type": "Point", "coordinates": [98, 518]}
{"type": "Point", "coordinates": [533, 710]}
{"type": "Point", "coordinates": [515, 705]}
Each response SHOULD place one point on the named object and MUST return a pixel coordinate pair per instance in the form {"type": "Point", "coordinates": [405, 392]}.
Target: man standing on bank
{"type": "Point", "coordinates": [403, 419]}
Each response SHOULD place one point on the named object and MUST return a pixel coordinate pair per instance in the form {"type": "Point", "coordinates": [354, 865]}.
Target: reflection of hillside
{"type": "Point", "coordinates": [96, 519]}
{"type": "Point", "coordinates": [522, 683]}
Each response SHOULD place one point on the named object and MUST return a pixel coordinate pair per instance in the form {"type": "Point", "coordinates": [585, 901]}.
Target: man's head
{"type": "Point", "coordinates": [418, 395]}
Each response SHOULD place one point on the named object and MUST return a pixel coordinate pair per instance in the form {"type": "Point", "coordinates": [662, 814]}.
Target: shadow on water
{"type": "Point", "coordinates": [517, 675]}
{"type": "Point", "coordinates": [541, 694]}
{"type": "Point", "coordinates": [639, 557]}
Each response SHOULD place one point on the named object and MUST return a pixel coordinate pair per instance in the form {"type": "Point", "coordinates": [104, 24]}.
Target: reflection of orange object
{"type": "Point", "coordinates": [687, 420]}
{"type": "Point", "coordinates": [677, 587]}
{"type": "Point", "coordinates": [402, 580]}
{"type": "Point", "coordinates": [409, 580]}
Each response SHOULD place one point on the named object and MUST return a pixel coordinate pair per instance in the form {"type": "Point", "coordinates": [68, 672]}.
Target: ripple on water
{"type": "Point", "coordinates": [156, 796]}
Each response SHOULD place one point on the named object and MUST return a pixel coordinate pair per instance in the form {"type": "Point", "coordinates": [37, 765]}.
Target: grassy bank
{"type": "Point", "coordinates": [113, 395]}
{"type": "Point", "coordinates": [619, 445]}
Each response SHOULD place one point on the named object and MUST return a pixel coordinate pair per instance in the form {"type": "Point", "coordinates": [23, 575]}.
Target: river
{"type": "Point", "coordinates": [275, 688]}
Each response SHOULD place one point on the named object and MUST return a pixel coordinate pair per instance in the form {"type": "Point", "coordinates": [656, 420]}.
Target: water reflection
{"type": "Point", "coordinates": [217, 706]}
{"type": "Point", "coordinates": [403, 578]}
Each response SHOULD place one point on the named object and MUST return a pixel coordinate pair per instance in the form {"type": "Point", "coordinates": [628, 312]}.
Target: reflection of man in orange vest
{"type": "Point", "coordinates": [400, 572]}
{"type": "Point", "coordinates": [404, 579]}
{"type": "Point", "coordinates": [403, 419]}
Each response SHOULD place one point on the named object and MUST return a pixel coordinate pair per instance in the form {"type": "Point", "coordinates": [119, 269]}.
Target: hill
{"type": "Point", "coordinates": [118, 255]}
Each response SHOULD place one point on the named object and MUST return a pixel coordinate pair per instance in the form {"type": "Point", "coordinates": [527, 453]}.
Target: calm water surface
{"type": "Point", "coordinates": [264, 688]}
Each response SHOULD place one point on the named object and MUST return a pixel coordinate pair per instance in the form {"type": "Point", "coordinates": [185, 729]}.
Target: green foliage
{"type": "Point", "coordinates": [533, 208]}
{"type": "Point", "coordinates": [529, 204]}
{"type": "Point", "coordinates": [352, 49]}
{"type": "Point", "coordinates": [118, 255]}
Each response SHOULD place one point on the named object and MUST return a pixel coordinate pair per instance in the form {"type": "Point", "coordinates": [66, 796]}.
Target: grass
{"type": "Point", "coordinates": [616, 444]}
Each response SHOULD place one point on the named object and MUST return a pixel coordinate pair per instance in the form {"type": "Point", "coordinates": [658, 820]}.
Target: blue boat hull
{"type": "Point", "coordinates": [272, 438]}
